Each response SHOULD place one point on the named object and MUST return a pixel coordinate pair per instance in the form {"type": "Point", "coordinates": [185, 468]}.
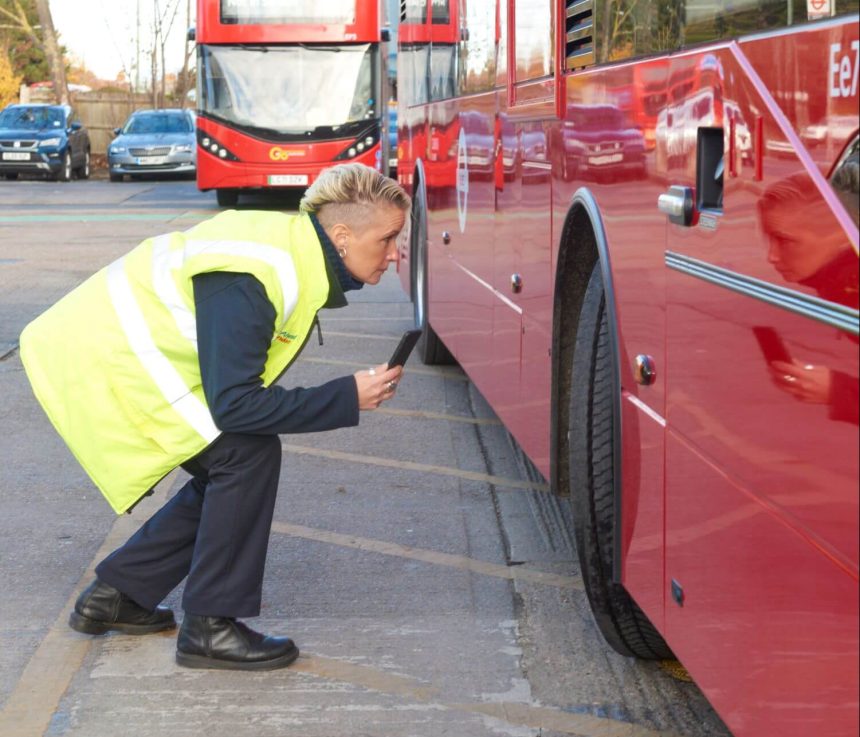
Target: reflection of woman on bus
{"type": "Point", "coordinates": [802, 251]}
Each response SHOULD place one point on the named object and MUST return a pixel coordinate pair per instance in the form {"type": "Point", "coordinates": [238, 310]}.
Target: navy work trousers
{"type": "Point", "coordinates": [215, 531]}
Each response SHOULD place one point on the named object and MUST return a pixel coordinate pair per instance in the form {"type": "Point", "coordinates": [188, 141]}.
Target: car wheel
{"type": "Point", "coordinates": [65, 172]}
{"type": "Point", "coordinates": [84, 170]}
{"type": "Point", "coordinates": [592, 433]}
{"type": "Point", "coordinates": [11, 175]}
{"type": "Point", "coordinates": [115, 177]}
{"type": "Point", "coordinates": [227, 197]}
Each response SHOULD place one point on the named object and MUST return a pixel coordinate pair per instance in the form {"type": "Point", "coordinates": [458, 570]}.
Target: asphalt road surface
{"type": "Point", "coordinates": [430, 582]}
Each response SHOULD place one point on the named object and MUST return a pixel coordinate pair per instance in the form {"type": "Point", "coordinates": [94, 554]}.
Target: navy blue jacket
{"type": "Point", "coordinates": [235, 324]}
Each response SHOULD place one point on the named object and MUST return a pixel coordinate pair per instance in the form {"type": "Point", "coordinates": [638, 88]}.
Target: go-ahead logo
{"type": "Point", "coordinates": [276, 153]}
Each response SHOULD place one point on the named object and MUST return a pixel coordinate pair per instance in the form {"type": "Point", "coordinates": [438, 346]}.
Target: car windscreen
{"type": "Point", "coordinates": [31, 118]}
{"type": "Point", "coordinates": [597, 118]}
{"type": "Point", "coordinates": [289, 89]}
{"type": "Point", "coordinates": [157, 123]}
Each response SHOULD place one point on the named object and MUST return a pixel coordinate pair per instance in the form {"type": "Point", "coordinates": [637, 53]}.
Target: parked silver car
{"type": "Point", "coordinates": [154, 142]}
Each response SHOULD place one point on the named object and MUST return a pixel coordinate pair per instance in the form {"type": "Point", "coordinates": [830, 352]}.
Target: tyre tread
{"type": "Point", "coordinates": [624, 625]}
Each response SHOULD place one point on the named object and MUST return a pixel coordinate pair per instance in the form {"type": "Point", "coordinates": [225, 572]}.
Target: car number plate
{"type": "Point", "coordinates": [151, 160]}
{"type": "Point", "coordinates": [287, 180]}
{"type": "Point", "coordinates": [606, 159]}
{"type": "Point", "coordinates": [15, 156]}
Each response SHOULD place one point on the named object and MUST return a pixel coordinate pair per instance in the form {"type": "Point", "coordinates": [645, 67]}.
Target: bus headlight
{"type": "Point", "coordinates": [210, 145]}
{"type": "Point", "coordinates": [357, 147]}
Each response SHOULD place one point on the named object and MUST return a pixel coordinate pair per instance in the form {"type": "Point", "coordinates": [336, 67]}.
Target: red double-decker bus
{"type": "Point", "coordinates": [285, 89]}
{"type": "Point", "coordinates": [635, 227]}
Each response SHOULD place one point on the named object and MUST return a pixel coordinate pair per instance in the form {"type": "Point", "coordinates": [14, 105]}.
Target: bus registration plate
{"type": "Point", "coordinates": [287, 180]}
{"type": "Point", "coordinates": [14, 156]}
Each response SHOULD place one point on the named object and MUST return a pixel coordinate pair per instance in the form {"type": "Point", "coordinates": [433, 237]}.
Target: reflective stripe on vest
{"type": "Point", "coordinates": [156, 364]}
{"type": "Point", "coordinates": [164, 261]}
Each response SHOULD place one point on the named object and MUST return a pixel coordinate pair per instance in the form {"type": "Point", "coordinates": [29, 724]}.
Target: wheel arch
{"type": "Point", "coordinates": [582, 244]}
{"type": "Point", "coordinates": [418, 186]}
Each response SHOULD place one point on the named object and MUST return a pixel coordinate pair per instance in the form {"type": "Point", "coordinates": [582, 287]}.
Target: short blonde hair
{"type": "Point", "coordinates": [348, 192]}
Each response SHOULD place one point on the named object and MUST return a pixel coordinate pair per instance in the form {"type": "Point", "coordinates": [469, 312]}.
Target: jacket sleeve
{"type": "Point", "coordinates": [235, 325]}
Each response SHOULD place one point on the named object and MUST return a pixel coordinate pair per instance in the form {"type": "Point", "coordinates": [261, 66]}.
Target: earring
{"type": "Point", "coordinates": [342, 250]}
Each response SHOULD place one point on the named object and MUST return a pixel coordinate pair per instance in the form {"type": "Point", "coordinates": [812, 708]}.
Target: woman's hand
{"type": "Point", "coordinates": [377, 385]}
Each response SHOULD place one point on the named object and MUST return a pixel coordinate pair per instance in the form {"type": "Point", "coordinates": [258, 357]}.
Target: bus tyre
{"type": "Point", "coordinates": [592, 483]}
{"type": "Point", "coordinates": [431, 349]}
{"type": "Point", "coordinates": [227, 197]}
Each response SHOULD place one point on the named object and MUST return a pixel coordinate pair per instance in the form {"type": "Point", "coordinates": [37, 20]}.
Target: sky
{"type": "Point", "coordinates": [102, 33]}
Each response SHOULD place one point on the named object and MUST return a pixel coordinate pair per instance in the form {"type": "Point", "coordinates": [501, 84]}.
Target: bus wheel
{"type": "Point", "coordinates": [592, 483]}
{"type": "Point", "coordinates": [431, 349]}
{"type": "Point", "coordinates": [227, 197]}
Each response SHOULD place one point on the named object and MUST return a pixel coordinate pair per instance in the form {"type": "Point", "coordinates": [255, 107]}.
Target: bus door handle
{"type": "Point", "coordinates": [677, 203]}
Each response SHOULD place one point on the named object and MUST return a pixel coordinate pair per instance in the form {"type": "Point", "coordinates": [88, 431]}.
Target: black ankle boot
{"type": "Point", "coordinates": [101, 608]}
{"type": "Point", "coordinates": [223, 642]}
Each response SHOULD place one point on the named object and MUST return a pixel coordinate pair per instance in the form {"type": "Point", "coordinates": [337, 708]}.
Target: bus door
{"type": "Point", "coordinates": [522, 319]}
{"type": "Point", "coordinates": [762, 390]}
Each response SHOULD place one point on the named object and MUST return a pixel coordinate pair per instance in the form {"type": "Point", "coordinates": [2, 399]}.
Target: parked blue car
{"type": "Point", "coordinates": [43, 139]}
{"type": "Point", "coordinates": [154, 142]}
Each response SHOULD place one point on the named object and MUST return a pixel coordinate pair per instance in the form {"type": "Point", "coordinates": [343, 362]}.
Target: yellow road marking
{"type": "Point", "coordinates": [328, 318]}
{"type": "Point", "coordinates": [368, 336]}
{"type": "Point", "coordinates": [460, 562]}
{"type": "Point", "coordinates": [337, 455]}
{"type": "Point", "coordinates": [556, 720]}
{"type": "Point", "coordinates": [436, 416]}
{"type": "Point", "coordinates": [28, 711]}
{"type": "Point", "coordinates": [519, 713]}
{"type": "Point", "coordinates": [449, 373]}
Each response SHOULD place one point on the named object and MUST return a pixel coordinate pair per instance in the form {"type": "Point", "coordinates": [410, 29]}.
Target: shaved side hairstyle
{"type": "Point", "coordinates": [349, 194]}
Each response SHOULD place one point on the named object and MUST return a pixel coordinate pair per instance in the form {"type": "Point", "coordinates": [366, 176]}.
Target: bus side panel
{"type": "Point", "coordinates": [761, 465]}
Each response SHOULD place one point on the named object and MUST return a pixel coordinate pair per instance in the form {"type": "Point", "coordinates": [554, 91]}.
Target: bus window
{"type": "Point", "coordinates": [533, 38]}
{"type": "Point", "coordinates": [414, 11]}
{"type": "Point", "coordinates": [639, 28]}
{"type": "Point", "coordinates": [478, 51]}
{"type": "Point", "coordinates": [413, 84]}
{"type": "Point", "coordinates": [288, 11]}
{"type": "Point", "coordinates": [443, 71]}
{"type": "Point", "coordinates": [440, 12]}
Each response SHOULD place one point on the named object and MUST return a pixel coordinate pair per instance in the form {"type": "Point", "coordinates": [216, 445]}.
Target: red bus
{"type": "Point", "coordinates": [638, 235]}
{"type": "Point", "coordinates": [285, 89]}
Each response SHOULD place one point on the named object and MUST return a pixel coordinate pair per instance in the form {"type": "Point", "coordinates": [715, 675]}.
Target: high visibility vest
{"type": "Point", "coordinates": [114, 363]}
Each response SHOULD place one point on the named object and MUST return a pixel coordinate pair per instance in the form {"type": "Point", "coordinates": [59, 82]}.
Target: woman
{"type": "Point", "coordinates": [169, 357]}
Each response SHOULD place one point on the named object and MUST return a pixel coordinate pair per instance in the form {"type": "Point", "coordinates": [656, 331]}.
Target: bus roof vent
{"type": "Point", "coordinates": [579, 34]}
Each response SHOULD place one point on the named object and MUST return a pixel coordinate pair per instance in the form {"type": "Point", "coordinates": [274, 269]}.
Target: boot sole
{"type": "Point", "coordinates": [188, 660]}
{"type": "Point", "coordinates": [88, 626]}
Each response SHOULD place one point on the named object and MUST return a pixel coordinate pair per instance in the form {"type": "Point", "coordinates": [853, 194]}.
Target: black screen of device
{"type": "Point", "coordinates": [404, 348]}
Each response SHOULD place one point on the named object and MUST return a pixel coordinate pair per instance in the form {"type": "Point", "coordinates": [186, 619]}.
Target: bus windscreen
{"type": "Point", "coordinates": [289, 90]}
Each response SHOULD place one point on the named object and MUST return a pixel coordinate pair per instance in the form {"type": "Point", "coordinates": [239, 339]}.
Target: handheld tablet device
{"type": "Point", "coordinates": [404, 348]}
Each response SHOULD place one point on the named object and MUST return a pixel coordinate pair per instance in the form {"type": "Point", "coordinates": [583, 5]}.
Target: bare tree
{"type": "Point", "coordinates": [164, 16]}
{"type": "Point", "coordinates": [189, 49]}
{"type": "Point", "coordinates": [43, 36]}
